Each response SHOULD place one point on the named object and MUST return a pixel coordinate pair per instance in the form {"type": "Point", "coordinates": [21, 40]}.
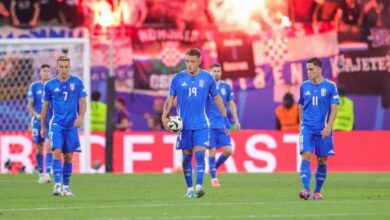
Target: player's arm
{"type": "Point", "coordinates": [233, 109]}
{"type": "Point", "coordinates": [300, 114]}
{"type": "Point", "coordinates": [167, 108]}
{"type": "Point", "coordinates": [328, 129]}
{"type": "Point", "coordinates": [82, 110]}
{"type": "Point", "coordinates": [221, 108]}
{"type": "Point", "coordinates": [45, 107]}
{"type": "Point", "coordinates": [32, 110]}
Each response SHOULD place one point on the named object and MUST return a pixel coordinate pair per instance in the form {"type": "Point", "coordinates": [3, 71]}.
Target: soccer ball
{"type": "Point", "coordinates": [175, 123]}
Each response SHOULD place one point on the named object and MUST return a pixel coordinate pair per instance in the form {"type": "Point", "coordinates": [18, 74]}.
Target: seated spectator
{"type": "Point", "coordinates": [287, 114]}
{"type": "Point", "coordinates": [122, 121]}
{"type": "Point", "coordinates": [325, 11]}
{"type": "Point", "coordinates": [25, 13]}
{"type": "Point", "coordinates": [345, 118]}
{"type": "Point", "coordinates": [4, 11]}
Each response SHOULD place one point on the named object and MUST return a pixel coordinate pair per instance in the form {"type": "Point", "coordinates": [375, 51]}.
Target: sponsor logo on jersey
{"type": "Point", "coordinates": [307, 93]}
{"type": "Point", "coordinates": [39, 92]}
{"type": "Point", "coordinates": [56, 90]}
{"type": "Point", "coordinates": [184, 84]}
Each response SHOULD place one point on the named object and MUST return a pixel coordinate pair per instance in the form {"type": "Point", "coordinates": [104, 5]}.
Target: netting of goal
{"type": "Point", "coordinates": [20, 60]}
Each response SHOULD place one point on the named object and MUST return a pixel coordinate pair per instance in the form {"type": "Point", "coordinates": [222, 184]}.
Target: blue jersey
{"type": "Point", "coordinates": [316, 101]}
{"type": "Point", "coordinates": [35, 93]}
{"type": "Point", "coordinates": [64, 98]}
{"type": "Point", "coordinates": [192, 93]}
{"type": "Point", "coordinates": [227, 95]}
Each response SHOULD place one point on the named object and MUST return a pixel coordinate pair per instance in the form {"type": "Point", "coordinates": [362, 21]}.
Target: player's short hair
{"type": "Point", "coordinates": [315, 61]}
{"type": "Point", "coordinates": [121, 100]}
{"type": "Point", "coordinates": [63, 58]}
{"type": "Point", "coordinates": [96, 96]}
{"type": "Point", "coordinates": [215, 65]}
{"type": "Point", "coordinates": [194, 52]}
{"type": "Point", "coordinates": [45, 66]}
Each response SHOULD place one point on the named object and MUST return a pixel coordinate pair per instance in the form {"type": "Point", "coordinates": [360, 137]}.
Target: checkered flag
{"type": "Point", "coordinates": [275, 51]}
{"type": "Point", "coordinates": [170, 55]}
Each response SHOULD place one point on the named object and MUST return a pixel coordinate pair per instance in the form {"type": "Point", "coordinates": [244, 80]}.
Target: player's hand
{"type": "Point", "coordinates": [326, 132]}
{"type": "Point", "coordinates": [43, 132]}
{"type": "Point", "coordinates": [227, 122]}
{"type": "Point", "coordinates": [238, 125]}
{"type": "Point", "coordinates": [38, 116]}
{"type": "Point", "coordinates": [165, 123]}
{"type": "Point", "coordinates": [78, 122]}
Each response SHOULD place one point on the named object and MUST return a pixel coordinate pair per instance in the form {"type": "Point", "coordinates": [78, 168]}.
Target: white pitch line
{"type": "Point", "coordinates": [184, 205]}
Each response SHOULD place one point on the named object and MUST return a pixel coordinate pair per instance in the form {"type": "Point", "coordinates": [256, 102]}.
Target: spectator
{"type": "Point", "coordinates": [347, 16]}
{"type": "Point", "coordinates": [131, 12]}
{"type": "Point", "coordinates": [25, 13]}
{"type": "Point", "coordinates": [287, 114]}
{"type": "Point", "coordinates": [122, 120]}
{"type": "Point", "coordinates": [4, 11]}
{"type": "Point", "coordinates": [325, 11]}
{"type": "Point", "coordinates": [49, 9]}
{"type": "Point", "coordinates": [371, 16]}
{"type": "Point", "coordinates": [301, 10]}
{"type": "Point", "coordinates": [71, 12]}
{"type": "Point", "coordinates": [154, 121]}
{"type": "Point", "coordinates": [345, 118]}
{"type": "Point", "coordinates": [98, 113]}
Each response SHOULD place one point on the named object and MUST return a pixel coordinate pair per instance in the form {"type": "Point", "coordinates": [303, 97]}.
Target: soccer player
{"type": "Point", "coordinates": [35, 97]}
{"type": "Point", "coordinates": [317, 110]}
{"type": "Point", "coordinates": [219, 136]}
{"type": "Point", "coordinates": [67, 96]}
{"type": "Point", "coordinates": [192, 88]}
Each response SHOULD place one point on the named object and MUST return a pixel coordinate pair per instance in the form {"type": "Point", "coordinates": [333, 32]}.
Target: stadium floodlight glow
{"type": "Point", "coordinates": [22, 59]}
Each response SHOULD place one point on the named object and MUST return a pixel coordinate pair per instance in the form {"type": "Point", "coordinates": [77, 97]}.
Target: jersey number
{"type": "Point", "coordinates": [315, 100]}
{"type": "Point", "coordinates": [65, 95]}
{"type": "Point", "coordinates": [192, 91]}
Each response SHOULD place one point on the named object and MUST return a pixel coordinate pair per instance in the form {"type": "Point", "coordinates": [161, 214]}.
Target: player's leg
{"type": "Point", "coordinates": [184, 144]}
{"type": "Point", "coordinates": [201, 140]}
{"type": "Point", "coordinates": [213, 170]}
{"type": "Point", "coordinates": [225, 141]}
{"type": "Point", "coordinates": [324, 148]}
{"type": "Point", "coordinates": [38, 140]}
{"type": "Point", "coordinates": [306, 145]}
{"type": "Point", "coordinates": [72, 145]}
{"type": "Point", "coordinates": [48, 156]}
{"type": "Point", "coordinates": [57, 143]}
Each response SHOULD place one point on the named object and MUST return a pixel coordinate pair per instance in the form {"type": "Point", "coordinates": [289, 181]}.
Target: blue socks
{"type": "Point", "coordinates": [305, 173]}
{"type": "Point", "coordinates": [57, 171]}
{"type": "Point", "coordinates": [187, 169]}
{"type": "Point", "coordinates": [221, 160]}
{"type": "Point", "coordinates": [49, 161]}
{"type": "Point", "coordinates": [39, 159]}
{"type": "Point", "coordinates": [199, 158]}
{"type": "Point", "coordinates": [66, 173]}
{"type": "Point", "coordinates": [320, 177]}
{"type": "Point", "coordinates": [213, 170]}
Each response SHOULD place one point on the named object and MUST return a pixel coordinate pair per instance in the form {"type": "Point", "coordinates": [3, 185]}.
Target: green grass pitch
{"type": "Point", "coordinates": [159, 196]}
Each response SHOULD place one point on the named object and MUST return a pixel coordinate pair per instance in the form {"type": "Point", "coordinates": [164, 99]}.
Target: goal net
{"type": "Point", "coordinates": [20, 61]}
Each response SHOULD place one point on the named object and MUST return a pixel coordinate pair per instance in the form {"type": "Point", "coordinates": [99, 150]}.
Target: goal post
{"type": "Point", "coordinates": [20, 60]}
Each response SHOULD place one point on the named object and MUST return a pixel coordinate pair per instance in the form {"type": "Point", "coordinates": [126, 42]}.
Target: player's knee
{"type": "Point", "coordinates": [199, 155]}
{"type": "Point", "coordinates": [68, 158]}
{"type": "Point", "coordinates": [321, 160]}
{"type": "Point", "coordinates": [227, 151]}
{"type": "Point", "coordinates": [212, 152]}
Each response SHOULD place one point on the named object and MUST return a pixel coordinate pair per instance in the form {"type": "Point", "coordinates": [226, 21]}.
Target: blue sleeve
{"type": "Point", "coordinates": [300, 101]}
{"type": "Point", "coordinates": [213, 88]}
{"type": "Point", "coordinates": [82, 91]}
{"type": "Point", "coordinates": [30, 94]}
{"type": "Point", "coordinates": [230, 93]}
{"type": "Point", "coordinates": [172, 87]}
{"type": "Point", "coordinates": [46, 96]}
{"type": "Point", "coordinates": [334, 95]}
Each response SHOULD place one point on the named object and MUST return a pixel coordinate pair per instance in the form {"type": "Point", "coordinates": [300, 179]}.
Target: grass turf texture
{"type": "Point", "coordinates": [160, 196]}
